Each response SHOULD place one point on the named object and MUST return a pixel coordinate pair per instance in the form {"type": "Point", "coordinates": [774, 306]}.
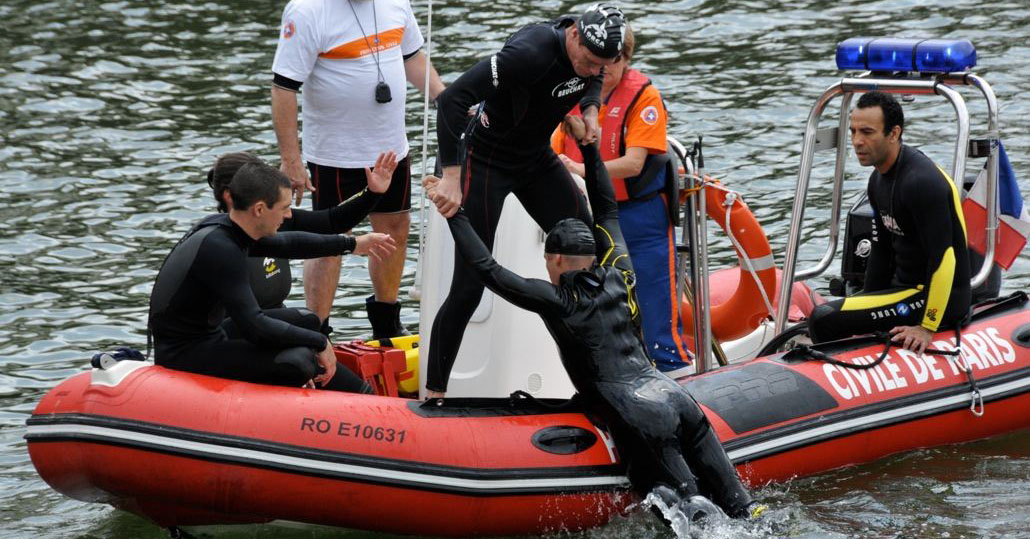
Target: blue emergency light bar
{"type": "Point", "coordinates": [893, 54]}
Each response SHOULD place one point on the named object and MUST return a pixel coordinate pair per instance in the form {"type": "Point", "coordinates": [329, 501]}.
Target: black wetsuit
{"type": "Point", "coordinates": [205, 277]}
{"type": "Point", "coordinates": [657, 425]}
{"type": "Point", "coordinates": [525, 90]}
{"type": "Point", "coordinates": [270, 277]}
{"type": "Point", "coordinates": [918, 269]}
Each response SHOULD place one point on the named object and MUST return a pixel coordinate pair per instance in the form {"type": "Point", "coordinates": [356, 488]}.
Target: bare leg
{"type": "Point", "coordinates": [321, 276]}
{"type": "Point", "coordinates": [386, 274]}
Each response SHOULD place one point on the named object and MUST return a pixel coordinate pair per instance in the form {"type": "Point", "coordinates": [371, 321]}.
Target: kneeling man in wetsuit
{"type": "Point", "coordinates": [917, 277]}
{"type": "Point", "coordinates": [590, 309]}
{"type": "Point", "coordinates": [205, 277]}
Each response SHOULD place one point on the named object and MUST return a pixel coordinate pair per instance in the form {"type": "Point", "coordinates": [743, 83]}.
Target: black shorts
{"type": "Point", "coordinates": [335, 185]}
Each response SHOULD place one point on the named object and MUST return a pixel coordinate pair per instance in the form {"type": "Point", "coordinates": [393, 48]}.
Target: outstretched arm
{"type": "Point", "coordinates": [531, 294]}
{"type": "Point", "coordinates": [611, 247]}
{"type": "Point", "coordinates": [344, 217]}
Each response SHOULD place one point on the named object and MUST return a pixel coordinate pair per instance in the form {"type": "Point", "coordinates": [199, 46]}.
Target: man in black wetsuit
{"type": "Point", "coordinates": [523, 92]}
{"type": "Point", "coordinates": [205, 277]}
{"type": "Point", "coordinates": [590, 309]}
{"type": "Point", "coordinates": [917, 277]}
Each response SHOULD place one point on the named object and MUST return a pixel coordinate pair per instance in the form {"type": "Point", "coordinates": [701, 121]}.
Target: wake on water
{"type": "Point", "coordinates": [714, 524]}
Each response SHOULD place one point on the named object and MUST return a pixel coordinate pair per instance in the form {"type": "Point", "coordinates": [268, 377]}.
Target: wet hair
{"type": "Point", "coordinates": [220, 175]}
{"type": "Point", "coordinates": [892, 113]}
{"type": "Point", "coordinates": [257, 182]}
{"type": "Point", "coordinates": [570, 237]}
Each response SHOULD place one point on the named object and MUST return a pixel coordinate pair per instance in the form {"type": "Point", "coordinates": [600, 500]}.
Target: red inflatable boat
{"type": "Point", "coordinates": [185, 449]}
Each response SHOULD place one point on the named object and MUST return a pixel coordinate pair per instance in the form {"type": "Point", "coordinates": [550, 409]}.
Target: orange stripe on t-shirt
{"type": "Point", "coordinates": [388, 39]}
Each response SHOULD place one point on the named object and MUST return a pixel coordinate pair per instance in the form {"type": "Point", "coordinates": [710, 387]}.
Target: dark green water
{"type": "Point", "coordinates": [109, 113]}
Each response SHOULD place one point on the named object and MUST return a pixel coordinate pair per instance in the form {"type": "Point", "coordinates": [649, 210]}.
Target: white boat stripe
{"type": "Point", "coordinates": [748, 452]}
{"type": "Point", "coordinates": [279, 460]}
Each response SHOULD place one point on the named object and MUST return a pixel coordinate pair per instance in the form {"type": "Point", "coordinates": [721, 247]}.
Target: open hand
{"type": "Point", "coordinates": [915, 338]}
{"type": "Point", "coordinates": [375, 245]}
{"type": "Point", "coordinates": [379, 176]}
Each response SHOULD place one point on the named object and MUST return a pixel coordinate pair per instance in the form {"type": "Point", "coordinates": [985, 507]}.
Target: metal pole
{"type": "Point", "coordinates": [703, 308]}
{"type": "Point", "coordinates": [415, 292]}
{"type": "Point", "coordinates": [993, 132]}
{"type": "Point", "coordinates": [798, 212]}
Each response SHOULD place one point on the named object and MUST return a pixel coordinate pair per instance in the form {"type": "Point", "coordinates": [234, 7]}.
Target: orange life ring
{"type": "Point", "coordinates": [745, 309]}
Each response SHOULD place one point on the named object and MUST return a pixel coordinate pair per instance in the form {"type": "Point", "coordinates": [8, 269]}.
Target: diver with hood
{"type": "Point", "coordinates": [590, 309]}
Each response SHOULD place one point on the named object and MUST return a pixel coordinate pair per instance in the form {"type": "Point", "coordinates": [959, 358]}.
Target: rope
{"type": "Point", "coordinates": [732, 198]}
{"type": "Point", "coordinates": [976, 401]}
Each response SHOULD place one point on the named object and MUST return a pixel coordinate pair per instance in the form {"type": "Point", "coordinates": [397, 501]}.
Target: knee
{"type": "Point", "coordinates": [296, 365]}
{"type": "Point", "coordinates": [394, 224]}
{"type": "Point", "coordinates": [820, 322]}
{"type": "Point", "coordinates": [307, 319]}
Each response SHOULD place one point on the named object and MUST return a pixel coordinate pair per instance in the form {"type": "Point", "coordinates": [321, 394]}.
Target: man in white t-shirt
{"type": "Point", "coordinates": [352, 58]}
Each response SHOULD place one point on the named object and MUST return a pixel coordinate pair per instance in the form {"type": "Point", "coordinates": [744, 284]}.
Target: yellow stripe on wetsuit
{"type": "Point", "coordinates": [940, 290]}
{"type": "Point", "coordinates": [875, 301]}
{"type": "Point", "coordinates": [942, 279]}
{"type": "Point", "coordinates": [626, 275]}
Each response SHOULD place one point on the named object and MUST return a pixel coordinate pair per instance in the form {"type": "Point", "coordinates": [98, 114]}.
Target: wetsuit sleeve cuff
{"type": "Point", "coordinates": [350, 244]}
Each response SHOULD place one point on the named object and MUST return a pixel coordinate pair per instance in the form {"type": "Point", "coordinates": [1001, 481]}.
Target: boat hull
{"type": "Point", "coordinates": [185, 449]}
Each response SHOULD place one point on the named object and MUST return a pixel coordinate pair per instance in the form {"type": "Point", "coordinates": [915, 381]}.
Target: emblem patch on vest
{"type": "Point", "coordinates": [649, 115]}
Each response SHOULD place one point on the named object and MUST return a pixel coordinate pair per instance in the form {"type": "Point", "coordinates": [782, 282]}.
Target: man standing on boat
{"type": "Point", "coordinates": [590, 309]}
{"type": "Point", "coordinates": [523, 92]}
{"type": "Point", "coordinates": [917, 277]}
{"type": "Point", "coordinates": [633, 144]}
{"type": "Point", "coordinates": [205, 277]}
{"type": "Point", "coordinates": [352, 58]}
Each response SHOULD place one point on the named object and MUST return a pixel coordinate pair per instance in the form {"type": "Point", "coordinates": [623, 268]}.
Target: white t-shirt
{"type": "Point", "coordinates": [322, 45]}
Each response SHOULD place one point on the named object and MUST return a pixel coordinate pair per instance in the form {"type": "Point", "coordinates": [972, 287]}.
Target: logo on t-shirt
{"type": "Point", "coordinates": [570, 86]}
{"type": "Point", "coordinates": [289, 29]}
{"type": "Point", "coordinates": [649, 115]}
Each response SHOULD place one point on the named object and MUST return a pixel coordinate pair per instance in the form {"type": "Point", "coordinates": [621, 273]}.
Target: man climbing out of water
{"type": "Point", "coordinates": [590, 309]}
{"type": "Point", "coordinates": [523, 92]}
{"type": "Point", "coordinates": [633, 133]}
{"type": "Point", "coordinates": [205, 277]}
{"type": "Point", "coordinates": [917, 277]}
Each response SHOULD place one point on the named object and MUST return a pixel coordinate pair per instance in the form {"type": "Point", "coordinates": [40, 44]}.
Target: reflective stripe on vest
{"type": "Point", "coordinates": [613, 125]}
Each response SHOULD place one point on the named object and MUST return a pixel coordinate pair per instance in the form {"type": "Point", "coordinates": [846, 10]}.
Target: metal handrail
{"type": "Point", "coordinates": [694, 234]}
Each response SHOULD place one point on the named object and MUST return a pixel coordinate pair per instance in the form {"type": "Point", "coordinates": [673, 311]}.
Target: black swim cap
{"type": "Point", "coordinates": [601, 30]}
{"type": "Point", "coordinates": [570, 237]}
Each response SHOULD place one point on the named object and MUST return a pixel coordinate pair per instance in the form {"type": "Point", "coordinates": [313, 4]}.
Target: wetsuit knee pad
{"type": "Point", "coordinates": [818, 322]}
{"type": "Point", "coordinates": [308, 319]}
{"type": "Point", "coordinates": [296, 365]}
